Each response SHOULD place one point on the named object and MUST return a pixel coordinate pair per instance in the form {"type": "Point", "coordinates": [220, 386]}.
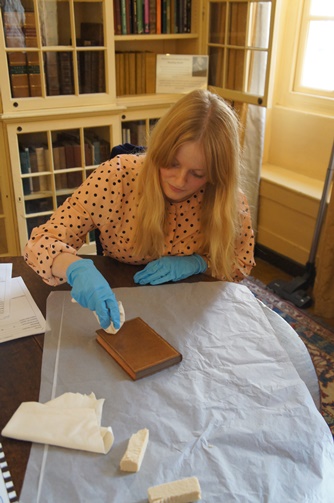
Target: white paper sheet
{"type": "Point", "coordinates": [5, 277]}
{"type": "Point", "coordinates": [234, 412]}
{"type": "Point", "coordinates": [24, 317]}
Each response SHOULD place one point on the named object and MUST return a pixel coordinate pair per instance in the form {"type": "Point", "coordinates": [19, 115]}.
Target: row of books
{"type": "Point", "coordinates": [135, 73]}
{"type": "Point", "coordinates": [152, 16]}
{"type": "Point", "coordinates": [25, 77]}
{"type": "Point", "coordinates": [66, 155]}
{"type": "Point", "coordinates": [24, 73]}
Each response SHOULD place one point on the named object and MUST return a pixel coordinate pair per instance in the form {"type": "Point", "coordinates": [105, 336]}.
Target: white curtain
{"type": "Point", "coordinates": [256, 115]}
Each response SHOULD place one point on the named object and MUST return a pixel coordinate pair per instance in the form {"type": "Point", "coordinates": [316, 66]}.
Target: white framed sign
{"type": "Point", "coordinates": [181, 73]}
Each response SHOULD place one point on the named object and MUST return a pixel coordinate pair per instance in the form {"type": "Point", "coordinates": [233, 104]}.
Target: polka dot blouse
{"type": "Point", "coordinates": [107, 201]}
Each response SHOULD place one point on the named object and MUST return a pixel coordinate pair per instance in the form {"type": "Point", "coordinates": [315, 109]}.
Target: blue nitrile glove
{"type": "Point", "coordinates": [174, 268]}
{"type": "Point", "coordinates": [90, 289]}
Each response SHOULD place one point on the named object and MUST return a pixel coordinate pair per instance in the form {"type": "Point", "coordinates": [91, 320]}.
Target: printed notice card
{"type": "Point", "coordinates": [181, 73]}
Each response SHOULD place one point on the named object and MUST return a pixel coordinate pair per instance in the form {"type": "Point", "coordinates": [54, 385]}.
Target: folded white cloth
{"type": "Point", "coordinates": [111, 329]}
{"type": "Point", "coordinates": [72, 420]}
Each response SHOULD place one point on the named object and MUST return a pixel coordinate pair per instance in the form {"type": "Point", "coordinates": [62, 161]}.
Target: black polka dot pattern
{"type": "Point", "coordinates": [107, 201]}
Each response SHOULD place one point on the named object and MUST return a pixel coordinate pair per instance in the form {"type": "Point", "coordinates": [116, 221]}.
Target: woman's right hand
{"type": "Point", "coordinates": [90, 289]}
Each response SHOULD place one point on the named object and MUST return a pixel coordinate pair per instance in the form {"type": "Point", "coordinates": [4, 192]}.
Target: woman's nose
{"type": "Point", "coordinates": [181, 178]}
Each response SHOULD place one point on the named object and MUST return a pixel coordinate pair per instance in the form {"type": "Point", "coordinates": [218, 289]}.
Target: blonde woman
{"type": "Point", "coordinates": [177, 209]}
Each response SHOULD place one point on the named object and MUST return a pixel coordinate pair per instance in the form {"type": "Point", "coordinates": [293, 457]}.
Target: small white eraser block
{"type": "Point", "coordinates": [134, 454]}
{"type": "Point", "coordinates": [180, 491]}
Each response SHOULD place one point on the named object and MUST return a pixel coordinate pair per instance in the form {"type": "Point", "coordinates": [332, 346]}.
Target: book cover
{"type": "Point", "coordinates": [139, 349]}
{"type": "Point", "coordinates": [34, 74]}
{"type": "Point", "coordinates": [25, 170]}
{"type": "Point", "coordinates": [18, 72]}
{"type": "Point", "coordinates": [150, 72]}
{"type": "Point", "coordinates": [117, 18]}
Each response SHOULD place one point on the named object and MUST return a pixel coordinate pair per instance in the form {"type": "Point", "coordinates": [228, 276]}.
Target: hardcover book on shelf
{"type": "Point", "coordinates": [59, 163]}
{"type": "Point", "coordinates": [150, 72]}
{"type": "Point", "coordinates": [139, 349]}
{"type": "Point", "coordinates": [30, 29]}
{"type": "Point", "coordinates": [25, 170]}
{"type": "Point", "coordinates": [18, 73]}
{"type": "Point", "coordinates": [117, 17]}
{"type": "Point", "coordinates": [34, 74]}
{"type": "Point", "coordinates": [65, 63]}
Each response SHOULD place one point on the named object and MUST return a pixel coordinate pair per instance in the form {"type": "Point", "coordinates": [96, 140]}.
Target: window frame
{"type": "Point", "coordinates": [307, 17]}
{"type": "Point", "coordinates": [284, 93]}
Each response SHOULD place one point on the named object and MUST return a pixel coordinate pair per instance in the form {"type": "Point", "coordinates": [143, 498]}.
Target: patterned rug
{"type": "Point", "coordinates": [318, 339]}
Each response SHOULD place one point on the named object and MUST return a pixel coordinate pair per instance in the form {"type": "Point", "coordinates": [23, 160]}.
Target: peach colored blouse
{"type": "Point", "coordinates": [107, 201]}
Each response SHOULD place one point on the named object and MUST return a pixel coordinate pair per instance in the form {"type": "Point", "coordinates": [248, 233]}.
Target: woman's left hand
{"type": "Point", "coordinates": [169, 268]}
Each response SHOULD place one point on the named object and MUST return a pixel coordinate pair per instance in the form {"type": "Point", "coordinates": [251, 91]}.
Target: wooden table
{"type": "Point", "coordinates": [21, 359]}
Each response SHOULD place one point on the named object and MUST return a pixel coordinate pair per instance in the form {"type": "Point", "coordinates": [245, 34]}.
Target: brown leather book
{"type": "Point", "coordinates": [139, 349]}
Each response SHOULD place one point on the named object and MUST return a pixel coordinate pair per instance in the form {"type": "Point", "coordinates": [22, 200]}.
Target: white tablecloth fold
{"type": "Point", "coordinates": [71, 420]}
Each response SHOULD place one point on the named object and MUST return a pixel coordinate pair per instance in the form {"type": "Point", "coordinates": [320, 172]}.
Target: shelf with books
{"type": "Point", "coordinates": [141, 17]}
{"type": "Point", "coordinates": [54, 161]}
{"type": "Point", "coordinates": [56, 51]}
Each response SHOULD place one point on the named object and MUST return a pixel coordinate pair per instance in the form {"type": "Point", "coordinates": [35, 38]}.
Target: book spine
{"type": "Point", "coordinates": [146, 16]}
{"type": "Point", "coordinates": [18, 71]}
{"type": "Point", "coordinates": [25, 170]}
{"type": "Point", "coordinates": [117, 17]}
{"type": "Point", "coordinates": [34, 74]}
{"type": "Point", "coordinates": [153, 16]}
{"type": "Point", "coordinates": [140, 16]}
{"type": "Point", "coordinates": [158, 16]}
{"type": "Point", "coordinates": [123, 17]}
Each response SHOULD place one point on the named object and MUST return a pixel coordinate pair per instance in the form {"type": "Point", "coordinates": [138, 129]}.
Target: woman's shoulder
{"type": "Point", "coordinates": [122, 165]}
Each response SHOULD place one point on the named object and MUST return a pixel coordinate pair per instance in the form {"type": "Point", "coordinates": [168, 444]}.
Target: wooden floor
{"type": "Point", "coordinates": [266, 272]}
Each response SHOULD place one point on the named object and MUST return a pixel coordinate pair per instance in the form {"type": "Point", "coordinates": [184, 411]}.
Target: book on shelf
{"type": "Point", "coordinates": [41, 166]}
{"type": "Point", "coordinates": [34, 74]}
{"type": "Point", "coordinates": [59, 164]}
{"type": "Point", "coordinates": [135, 73]}
{"type": "Point", "coordinates": [117, 18]}
{"type": "Point", "coordinates": [65, 65]}
{"type": "Point", "coordinates": [153, 16]}
{"type": "Point", "coordinates": [29, 29]}
{"type": "Point", "coordinates": [34, 170]}
{"type": "Point", "coordinates": [147, 16]}
{"type": "Point", "coordinates": [25, 170]}
{"type": "Point", "coordinates": [18, 73]}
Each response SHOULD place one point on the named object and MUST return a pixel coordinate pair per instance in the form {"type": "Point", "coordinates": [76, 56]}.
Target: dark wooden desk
{"type": "Point", "coordinates": [21, 359]}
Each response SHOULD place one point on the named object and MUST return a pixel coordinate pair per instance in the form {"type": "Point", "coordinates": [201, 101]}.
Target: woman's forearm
{"type": "Point", "coordinates": [61, 263]}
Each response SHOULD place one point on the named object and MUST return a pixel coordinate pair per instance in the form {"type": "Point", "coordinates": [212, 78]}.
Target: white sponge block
{"type": "Point", "coordinates": [180, 491]}
{"type": "Point", "coordinates": [135, 451]}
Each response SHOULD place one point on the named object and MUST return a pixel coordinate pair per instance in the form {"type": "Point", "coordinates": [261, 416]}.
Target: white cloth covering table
{"type": "Point", "coordinates": [235, 412]}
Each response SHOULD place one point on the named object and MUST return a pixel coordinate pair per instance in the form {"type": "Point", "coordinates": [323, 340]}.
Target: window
{"type": "Point", "coordinates": [314, 69]}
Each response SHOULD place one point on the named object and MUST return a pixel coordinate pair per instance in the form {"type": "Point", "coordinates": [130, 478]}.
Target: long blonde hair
{"type": "Point", "coordinates": [202, 117]}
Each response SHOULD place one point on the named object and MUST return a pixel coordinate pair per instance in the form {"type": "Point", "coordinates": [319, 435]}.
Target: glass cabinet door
{"type": "Point", "coordinates": [53, 162]}
{"type": "Point", "coordinates": [56, 48]}
{"type": "Point", "coordinates": [239, 42]}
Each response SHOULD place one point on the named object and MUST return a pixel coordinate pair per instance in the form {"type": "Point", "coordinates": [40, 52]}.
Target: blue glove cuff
{"type": "Point", "coordinates": [201, 263]}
